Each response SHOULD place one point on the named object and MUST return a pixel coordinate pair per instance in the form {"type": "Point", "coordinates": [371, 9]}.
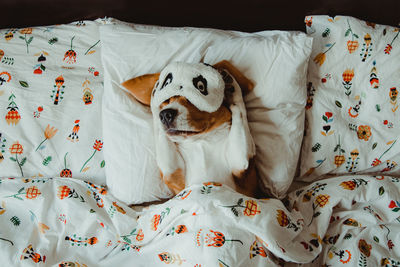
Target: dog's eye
{"type": "Point", "coordinates": [201, 84]}
{"type": "Point", "coordinates": [167, 80]}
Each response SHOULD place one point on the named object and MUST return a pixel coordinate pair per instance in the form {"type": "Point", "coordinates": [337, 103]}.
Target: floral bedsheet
{"type": "Point", "coordinates": [51, 88]}
{"type": "Point", "coordinates": [349, 220]}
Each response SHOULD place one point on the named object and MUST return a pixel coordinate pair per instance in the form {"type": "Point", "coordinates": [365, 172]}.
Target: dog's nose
{"type": "Point", "coordinates": [168, 115]}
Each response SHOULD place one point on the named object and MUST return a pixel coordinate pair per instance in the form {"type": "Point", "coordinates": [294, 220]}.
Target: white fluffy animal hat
{"type": "Point", "coordinates": [201, 84]}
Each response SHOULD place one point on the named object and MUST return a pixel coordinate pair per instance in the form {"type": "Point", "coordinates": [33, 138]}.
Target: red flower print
{"type": "Point", "coordinates": [376, 162]}
{"type": "Point", "coordinates": [308, 21]}
{"type": "Point", "coordinates": [217, 239]}
{"type": "Point", "coordinates": [390, 244]}
{"type": "Point", "coordinates": [98, 145]}
{"type": "Point", "coordinates": [388, 48]}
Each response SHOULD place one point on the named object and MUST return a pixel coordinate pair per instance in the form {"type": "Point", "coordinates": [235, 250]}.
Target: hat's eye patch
{"type": "Point", "coordinates": [201, 84]}
{"type": "Point", "coordinates": [167, 80]}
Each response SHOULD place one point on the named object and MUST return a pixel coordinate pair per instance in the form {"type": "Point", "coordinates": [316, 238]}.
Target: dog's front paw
{"type": "Point", "coordinates": [175, 181]}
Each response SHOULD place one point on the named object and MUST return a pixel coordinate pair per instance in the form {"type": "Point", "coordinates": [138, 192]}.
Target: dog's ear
{"type": "Point", "coordinates": [141, 87]}
{"type": "Point", "coordinates": [245, 84]}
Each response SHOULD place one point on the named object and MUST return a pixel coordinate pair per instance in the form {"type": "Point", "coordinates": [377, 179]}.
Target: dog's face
{"type": "Point", "coordinates": [187, 99]}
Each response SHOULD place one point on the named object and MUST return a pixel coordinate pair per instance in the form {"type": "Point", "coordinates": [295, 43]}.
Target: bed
{"type": "Point", "coordinates": [77, 159]}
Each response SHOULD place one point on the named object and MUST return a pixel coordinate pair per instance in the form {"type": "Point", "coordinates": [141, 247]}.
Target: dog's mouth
{"type": "Point", "coordinates": [176, 132]}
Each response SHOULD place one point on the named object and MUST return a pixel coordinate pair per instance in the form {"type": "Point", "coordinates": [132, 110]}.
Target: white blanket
{"type": "Point", "coordinates": [350, 220]}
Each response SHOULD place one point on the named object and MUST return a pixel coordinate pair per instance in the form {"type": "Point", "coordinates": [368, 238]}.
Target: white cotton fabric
{"type": "Point", "coordinates": [275, 61]}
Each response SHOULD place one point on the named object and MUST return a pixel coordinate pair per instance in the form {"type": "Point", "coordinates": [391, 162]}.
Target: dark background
{"type": "Point", "coordinates": [245, 15]}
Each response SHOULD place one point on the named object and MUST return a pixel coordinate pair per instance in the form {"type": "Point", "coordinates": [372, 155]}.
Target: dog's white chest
{"type": "Point", "coordinates": [206, 159]}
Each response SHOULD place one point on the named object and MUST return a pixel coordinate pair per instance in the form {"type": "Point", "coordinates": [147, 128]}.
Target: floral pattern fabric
{"type": "Point", "coordinates": [352, 110]}
{"type": "Point", "coordinates": [50, 102]}
{"type": "Point", "coordinates": [348, 220]}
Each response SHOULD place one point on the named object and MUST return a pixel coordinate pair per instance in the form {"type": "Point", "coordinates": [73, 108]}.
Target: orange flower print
{"type": "Point", "coordinates": [251, 209]}
{"type": "Point", "coordinates": [322, 200]}
{"type": "Point", "coordinates": [339, 159]}
{"type": "Point", "coordinates": [212, 183]}
{"type": "Point", "coordinates": [26, 31]}
{"type": "Point", "coordinates": [17, 149]}
{"type": "Point", "coordinates": [347, 76]}
{"type": "Point", "coordinates": [29, 253]}
{"type": "Point", "coordinates": [58, 91]}
{"type": "Point", "coordinates": [389, 47]}
{"type": "Point", "coordinates": [393, 93]}
{"type": "Point", "coordinates": [12, 117]}
{"type": "Point", "coordinates": [364, 132]}
{"type": "Point", "coordinates": [140, 235]}
{"type": "Point", "coordinates": [353, 184]}
{"type": "Point", "coordinates": [344, 255]}
{"type": "Point", "coordinates": [119, 208]}
{"type": "Point", "coordinates": [366, 47]}
{"type": "Point", "coordinates": [42, 227]}
{"type": "Point", "coordinates": [48, 134]}
{"type": "Point", "coordinates": [352, 45]}
{"type": "Point", "coordinates": [257, 250]}
{"type": "Point", "coordinates": [170, 258]}
{"type": "Point", "coordinates": [65, 192]}
{"type": "Point", "coordinates": [67, 173]}
{"type": "Point", "coordinates": [155, 221]}
{"type": "Point", "coordinates": [180, 229]}
{"type": "Point", "coordinates": [390, 165]}
{"type": "Point", "coordinates": [282, 218]}
{"type": "Point", "coordinates": [70, 55]}
{"type": "Point", "coordinates": [98, 145]}
{"type": "Point", "coordinates": [284, 221]}
{"type": "Point", "coordinates": [27, 40]}
{"type": "Point", "coordinates": [32, 192]}
{"type": "Point", "coordinates": [321, 57]}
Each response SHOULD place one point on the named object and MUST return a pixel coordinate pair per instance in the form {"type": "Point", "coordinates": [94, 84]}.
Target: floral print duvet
{"type": "Point", "coordinates": [349, 220]}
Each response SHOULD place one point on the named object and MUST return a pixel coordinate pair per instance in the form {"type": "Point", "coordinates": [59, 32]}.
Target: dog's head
{"type": "Point", "coordinates": [188, 99]}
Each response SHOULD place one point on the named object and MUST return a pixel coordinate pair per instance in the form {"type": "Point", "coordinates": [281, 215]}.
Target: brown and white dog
{"type": "Point", "coordinates": [200, 125]}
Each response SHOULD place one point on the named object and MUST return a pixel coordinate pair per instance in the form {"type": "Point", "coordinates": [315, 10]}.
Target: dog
{"type": "Point", "coordinates": [200, 125]}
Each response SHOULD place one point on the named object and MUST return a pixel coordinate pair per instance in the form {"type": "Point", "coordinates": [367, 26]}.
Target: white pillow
{"type": "Point", "coordinates": [353, 123]}
{"type": "Point", "coordinates": [275, 61]}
